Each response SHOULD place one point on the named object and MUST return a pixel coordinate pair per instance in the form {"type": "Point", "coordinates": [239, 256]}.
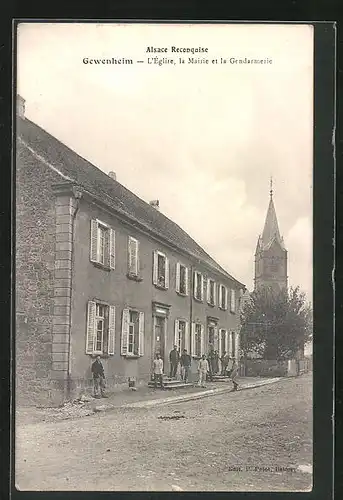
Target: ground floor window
{"type": "Point", "coordinates": [181, 339]}
{"type": "Point", "coordinates": [197, 340]}
{"type": "Point", "coordinates": [100, 336]}
{"type": "Point", "coordinates": [132, 333]}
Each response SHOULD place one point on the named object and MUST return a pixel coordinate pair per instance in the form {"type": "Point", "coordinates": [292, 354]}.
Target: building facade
{"type": "Point", "coordinates": [101, 272]}
{"type": "Point", "coordinates": [270, 254]}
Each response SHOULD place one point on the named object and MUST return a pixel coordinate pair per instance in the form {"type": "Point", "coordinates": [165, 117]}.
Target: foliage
{"type": "Point", "coordinates": [276, 324]}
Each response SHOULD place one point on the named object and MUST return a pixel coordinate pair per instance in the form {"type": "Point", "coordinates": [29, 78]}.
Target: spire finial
{"type": "Point", "coordinates": [271, 186]}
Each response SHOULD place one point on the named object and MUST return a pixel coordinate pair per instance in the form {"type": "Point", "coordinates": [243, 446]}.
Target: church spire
{"type": "Point", "coordinates": [271, 227]}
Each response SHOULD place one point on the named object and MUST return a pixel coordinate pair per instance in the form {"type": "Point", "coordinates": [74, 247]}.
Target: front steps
{"type": "Point", "coordinates": [171, 383]}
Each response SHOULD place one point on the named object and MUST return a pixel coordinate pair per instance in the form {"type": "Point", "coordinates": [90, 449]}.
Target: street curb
{"type": "Point", "coordinates": [189, 397]}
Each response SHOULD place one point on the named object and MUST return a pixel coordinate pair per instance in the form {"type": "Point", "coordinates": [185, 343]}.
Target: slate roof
{"type": "Point", "coordinates": [271, 231]}
{"type": "Point", "coordinates": [114, 194]}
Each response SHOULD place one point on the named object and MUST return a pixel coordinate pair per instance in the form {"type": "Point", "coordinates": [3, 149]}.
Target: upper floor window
{"type": "Point", "coordinates": [160, 270]}
{"type": "Point", "coordinates": [102, 247]}
{"type": "Point", "coordinates": [133, 261]}
{"type": "Point", "coordinates": [222, 297]}
{"type": "Point", "coordinates": [211, 292]}
{"type": "Point", "coordinates": [181, 279]}
{"type": "Point", "coordinates": [198, 286]}
{"type": "Point", "coordinates": [100, 336]}
{"type": "Point", "coordinates": [132, 334]}
{"type": "Point", "coordinates": [233, 301]}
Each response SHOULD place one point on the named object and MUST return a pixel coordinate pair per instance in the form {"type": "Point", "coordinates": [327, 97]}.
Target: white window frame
{"type": "Point", "coordinates": [220, 298]}
{"type": "Point", "coordinates": [135, 271]}
{"type": "Point", "coordinates": [125, 331]}
{"type": "Point", "coordinates": [196, 324]}
{"type": "Point", "coordinates": [195, 285]}
{"type": "Point", "coordinates": [177, 335]}
{"type": "Point", "coordinates": [155, 277]}
{"type": "Point", "coordinates": [233, 300]}
{"type": "Point", "coordinates": [179, 265]}
{"type": "Point", "coordinates": [109, 328]}
{"type": "Point", "coordinates": [109, 251]}
{"type": "Point", "coordinates": [209, 281]}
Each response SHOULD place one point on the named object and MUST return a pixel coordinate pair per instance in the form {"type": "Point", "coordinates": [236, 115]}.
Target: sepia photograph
{"type": "Point", "coordinates": [163, 257]}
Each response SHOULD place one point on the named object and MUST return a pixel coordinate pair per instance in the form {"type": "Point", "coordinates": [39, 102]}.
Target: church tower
{"type": "Point", "coordinates": [271, 254]}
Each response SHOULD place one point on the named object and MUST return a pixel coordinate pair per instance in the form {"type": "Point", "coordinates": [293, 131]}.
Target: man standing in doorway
{"type": "Point", "coordinates": [185, 364]}
{"type": "Point", "coordinates": [174, 358]}
{"type": "Point", "coordinates": [98, 378]}
{"type": "Point", "coordinates": [158, 371]}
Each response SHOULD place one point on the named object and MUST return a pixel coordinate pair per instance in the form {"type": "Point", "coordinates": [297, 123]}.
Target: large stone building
{"type": "Point", "coordinates": [101, 272]}
{"type": "Point", "coordinates": [271, 254]}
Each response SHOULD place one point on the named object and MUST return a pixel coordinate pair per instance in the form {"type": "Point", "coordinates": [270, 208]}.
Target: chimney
{"type": "Point", "coordinates": [155, 204]}
{"type": "Point", "coordinates": [112, 175]}
{"type": "Point", "coordinates": [20, 106]}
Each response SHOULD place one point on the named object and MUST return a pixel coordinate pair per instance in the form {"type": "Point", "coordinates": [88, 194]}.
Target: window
{"type": "Point", "coordinates": [160, 270]}
{"type": "Point", "coordinates": [233, 301]}
{"type": "Point", "coordinates": [222, 297]}
{"type": "Point", "coordinates": [132, 333]}
{"type": "Point", "coordinates": [198, 286]}
{"type": "Point", "coordinates": [181, 279]}
{"type": "Point", "coordinates": [133, 260]}
{"type": "Point", "coordinates": [211, 292]}
{"type": "Point", "coordinates": [222, 341]}
{"type": "Point", "coordinates": [197, 340]}
{"type": "Point", "coordinates": [102, 248]}
{"type": "Point", "coordinates": [181, 339]}
{"type": "Point", "coordinates": [100, 336]}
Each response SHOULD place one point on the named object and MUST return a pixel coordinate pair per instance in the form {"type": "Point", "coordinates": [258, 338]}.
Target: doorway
{"type": "Point", "coordinates": [159, 336]}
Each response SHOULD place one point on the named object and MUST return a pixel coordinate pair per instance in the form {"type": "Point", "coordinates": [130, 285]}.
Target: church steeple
{"type": "Point", "coordinates": [271, 255]}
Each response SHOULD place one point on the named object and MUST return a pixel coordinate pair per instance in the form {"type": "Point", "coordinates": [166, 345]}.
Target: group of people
{"type": "Point", "coordinates": [207, 367]}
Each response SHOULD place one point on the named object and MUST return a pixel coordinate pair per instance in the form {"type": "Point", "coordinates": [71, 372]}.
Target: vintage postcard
{"type": "Point", "coordinates": [164, 243]}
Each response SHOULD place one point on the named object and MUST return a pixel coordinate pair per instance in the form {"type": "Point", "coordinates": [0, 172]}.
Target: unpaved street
{"type": "Point", "coordinates": [254, 431]}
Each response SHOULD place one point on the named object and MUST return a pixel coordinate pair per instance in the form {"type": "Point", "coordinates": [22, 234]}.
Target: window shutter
{"type": "Point", "coordinates": [230, 345]}
{"type": "Point", "coordinates": [133, 256]}
{"type": "Point", "coordinates": [214, 294]}
{"type": "Point", "coordinates": [220, 342]}
{"type": "Point", "coordinates": [177, 285]}
{"type": "Point", "coordinates": [208, 295]}
{"type": "Point", "coordinates": [232, 301]}
{"type": "Point", "coordinates": [167, 273]}
{"type": "Point", "coordinates": [226, 341]}
{"type": "Point", "coordinates": [137, 258]}
{"type": "Point", "coordinates": [202, 340]}
{"type": "Point", "coordinates": [129, 254]}
{"type": "Point", "coordinates": [124, 331]}
{"type": "Point", "coordinates": [112, 248]}
{"type": "Point", "coordinates": [111, 329]}
{"type": "Point", "coordinates": [141, 334]}
{"type": "Point", "coordinates": [187, 336]}
{"type": "Point", "coordinates": [226, 294]}
{"type": "Point", "coordinates": [94, 241]}
{"type": "Point", "coordinates": [202, 287]}
{"type": "Point", "coordinates": [186, 279]}
{"type": "Point", "coordinates": [195, 284]}
{"type": "Point", "coordinates": [154, 266]}
{"type": "Point", "coordinates": [193, 340]}
{"type": "Point", "coordinates": [176, 333]}
{"type": "Point", "coordinates": [90, 337]}
{"type": "Point", "coordinates": [220, 295]}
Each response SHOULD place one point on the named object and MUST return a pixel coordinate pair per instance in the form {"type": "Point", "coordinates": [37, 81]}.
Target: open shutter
{"type": "Point", "coordinates": [208, 291]}
{"type": "Point", "coordinates": [167, 273]}
{"type": "Point", "coordinates": [237, 347]}
{"type": "Point", "coordinates": [141, 334]}
{"type": "Point", "coordinates": [177, 283]}
{"type": "Point", "coordinates": [232, 301]}
{"type": "Point", "coordinates": [214, 294]}
{"type": "Point", "coordinates": [137, 261]}
{"type": "Point", "coordinates": [230, 345]}
{"type": "Point", "coordinates": [90, 336]}
{"type": "Point", "coordinates": [201, 287]}
{"type": "Point", "coordinates": [220, 343]}
{"type": "Point", "coordinates": [154, 268]}
{"type": "Point", "coordinates": [226, 293]}
{"type": "Point", "coordinates": [226, 341]}
{"type": "Point", "coordinates": [124, 331]}
{"type": "Point", "coordinates": [195, 284]}
{"type": "Point", "coordinates": [202, 344]}
{"type": "Point", "coordinates": [220, 290]}
{"type": "Point", "coordinates": [133, 256]}
{"type": "Point", "coordinates": [176, 333]}
{"type": "Point", "coordinates": [186, 280]}
{"type": "Point", "coordinates": [187, 336]}
{"type": "Point", "coordinates": [193, 353]}
{"type": "Point", "coordinates": [129, 254]}
{"type": "Point", "coordinates": [111, 329]}
{"type": "Point", "coordinates": [112, 248]}
{"type": "Point", "coordinates": [94, 241]}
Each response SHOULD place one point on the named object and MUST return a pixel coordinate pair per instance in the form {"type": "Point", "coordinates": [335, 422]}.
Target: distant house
{"type": "Point", "coordinates": [101, 272]}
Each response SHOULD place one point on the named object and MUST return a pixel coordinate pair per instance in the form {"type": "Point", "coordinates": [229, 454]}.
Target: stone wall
{"type": "Point", "coordinates": [34, 275]}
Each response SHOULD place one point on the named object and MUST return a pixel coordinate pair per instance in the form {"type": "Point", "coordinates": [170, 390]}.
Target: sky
{"type": "Point", "coordinates": [203, 139]}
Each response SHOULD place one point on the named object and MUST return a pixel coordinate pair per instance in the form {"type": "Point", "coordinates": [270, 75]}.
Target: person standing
{"type": "Point", "coordinates": [98, 378]}
{"type": "Point", "coordinates": [234, 374]}
{"type": "Point", "coordinates": [158, 371]}
{"type": "Point", "coordinates": [174, 358]}
{"type": "Point", "coordinates": [210, 365]}
{"type": "Point", "coordinates": [225, 361]}
{"type": "Point", "coordinates": [186, 364]}
{"type": "Point", "coordinates": [215, 360]}
{"type": "Point", "coordinates": [203, 368]}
